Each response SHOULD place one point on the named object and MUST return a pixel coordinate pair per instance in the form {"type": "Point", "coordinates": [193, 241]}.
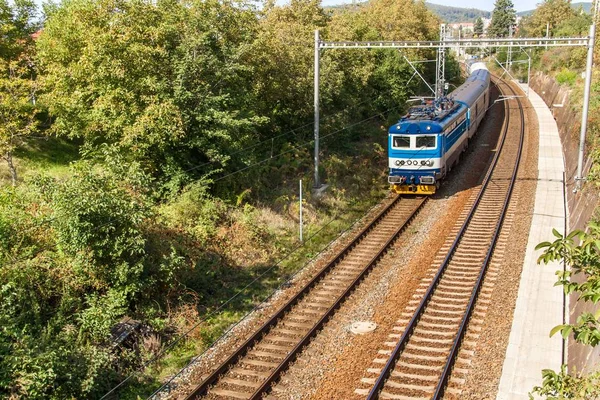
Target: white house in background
{"type": "Point", "coordinates": [488, 21]}
{"type": "Point", "coordinates": [466, 26]}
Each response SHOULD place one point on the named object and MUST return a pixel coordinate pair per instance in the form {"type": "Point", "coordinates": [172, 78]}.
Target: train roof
{"type": "Point", "coordinates": [476, 83]}
{"type": "Point", "coordinates": [429, 118]}
{"type": "Point", "coordinates": [434, 116]}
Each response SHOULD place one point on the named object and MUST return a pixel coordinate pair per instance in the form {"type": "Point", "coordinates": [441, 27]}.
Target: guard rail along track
{"type": "Point", "coordinates": [251, 370]}
{"type": "Point", "coordinates": [428, 347]}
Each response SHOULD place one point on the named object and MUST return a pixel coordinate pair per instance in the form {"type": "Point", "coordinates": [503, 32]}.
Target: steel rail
{"type": "Point", "coordinates": [387, 369]}
{"type": "Point", "coordinates": [242, 350]}
{"type": "Point", "coordinates": [274, 376]}
{"type": "Point", "coordinates": [441, 386]}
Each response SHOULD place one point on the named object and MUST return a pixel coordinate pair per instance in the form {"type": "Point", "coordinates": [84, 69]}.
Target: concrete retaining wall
{"type": "Point", "coordinates": [580, 205]}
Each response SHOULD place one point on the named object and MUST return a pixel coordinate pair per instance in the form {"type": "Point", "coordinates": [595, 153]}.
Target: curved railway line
{"type": "Point", "coordinates": [250, 371]}
{"type": "Point", "coordinates": [423, 360]}
{"type": "Point", "coordinates": [422, 364]}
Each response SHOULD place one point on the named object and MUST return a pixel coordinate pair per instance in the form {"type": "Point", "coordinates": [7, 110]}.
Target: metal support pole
{"type": "Point", "coordinates": [586, 102]}
{"type": "Point", "coordinates": [301, 225]}
{"type": "Point", "coordinates": [528, 72]}
{"type": "Point", "coordinates": [316, 94]}
{"type": "Point", "coordinates": [441, 64]}
{"type": "Point", "coordinates": [505, 70]}
{"type": "Point", "coordinates": [509, 55]}
{"type": "Point", "coordinates": [528, 68]}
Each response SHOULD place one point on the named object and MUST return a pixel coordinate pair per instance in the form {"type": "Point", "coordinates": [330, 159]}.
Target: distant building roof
{"type": "Point", "coordinates": [467, 26]}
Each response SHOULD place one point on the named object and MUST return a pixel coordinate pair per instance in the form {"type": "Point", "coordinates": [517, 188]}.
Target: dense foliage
{"type": "Point", "coordinates": [186, 118]}
{"type": "Point", "coordinates": [585, 6]}
{"type": "Point", "coordinates": [550, 15]}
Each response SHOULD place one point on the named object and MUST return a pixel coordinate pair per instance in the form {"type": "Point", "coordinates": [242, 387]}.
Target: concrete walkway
{"type": "Point", "coordinates": [539, 305]}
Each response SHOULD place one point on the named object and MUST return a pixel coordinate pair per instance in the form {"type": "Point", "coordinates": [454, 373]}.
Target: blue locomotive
{"type": "Point", "coordinates": [427, 142]}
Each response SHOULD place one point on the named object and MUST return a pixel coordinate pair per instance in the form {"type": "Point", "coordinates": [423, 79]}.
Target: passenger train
{"type": "Point", "coordinates": [427, 142]}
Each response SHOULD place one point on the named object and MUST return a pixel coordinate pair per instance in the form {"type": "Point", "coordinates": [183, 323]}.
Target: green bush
{"type": "Point", "coordinates": [195, 211]}
{"type": "Point", "coordinates": [566, 76]}
{"type": "Point", "coordinates": [75, 260]}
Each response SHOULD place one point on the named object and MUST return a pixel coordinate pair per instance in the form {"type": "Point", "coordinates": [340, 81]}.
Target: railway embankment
{"type": "Point", "coordinates": [581, 205]}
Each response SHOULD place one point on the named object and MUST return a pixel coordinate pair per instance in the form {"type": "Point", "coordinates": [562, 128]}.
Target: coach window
{"type": "Point", "coordinates": [427, 142]}
{"type": "Point", "coordinates": [401, 142]}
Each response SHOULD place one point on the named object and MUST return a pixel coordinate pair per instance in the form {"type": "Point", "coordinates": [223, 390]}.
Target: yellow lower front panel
{"type": "Point", "coordinates": [413, 189]}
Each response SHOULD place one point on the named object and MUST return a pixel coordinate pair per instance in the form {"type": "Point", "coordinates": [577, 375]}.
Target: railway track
{"type": "Point", "coordinates": [251, 370]}
{"type": "Point", "coordinates": [422, 361]}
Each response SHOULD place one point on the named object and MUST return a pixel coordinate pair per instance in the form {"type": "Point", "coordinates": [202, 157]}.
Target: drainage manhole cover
{"type": "Point", "coordinates": [362, 327]}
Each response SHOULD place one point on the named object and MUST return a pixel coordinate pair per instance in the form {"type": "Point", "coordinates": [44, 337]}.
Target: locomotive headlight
{"type": "Point", "coordinates": [402, 162]}
{"type": "Point", "coordinates": [430, 163]}
{"type": "Point", "coordinates": [398, 163]}
{"type": "Point", "coordinates": [423, 162]}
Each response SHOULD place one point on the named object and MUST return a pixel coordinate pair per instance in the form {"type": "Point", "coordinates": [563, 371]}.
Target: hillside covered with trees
{"type": "Point", "coordinates": [451, 14]}
{"type": "Point", "coordinates": [586, 7]}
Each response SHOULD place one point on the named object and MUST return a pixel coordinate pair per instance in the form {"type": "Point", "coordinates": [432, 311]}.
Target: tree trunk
{"type": "Point", "coordinates": [11, 167]}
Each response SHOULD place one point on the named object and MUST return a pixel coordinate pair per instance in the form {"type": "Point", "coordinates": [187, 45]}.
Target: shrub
{"type": "Point", "coordinates": [194, 211]}
{"type": "Point", "coordinates": [566, 76]}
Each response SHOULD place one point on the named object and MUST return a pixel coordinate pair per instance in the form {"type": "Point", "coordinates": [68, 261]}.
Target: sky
{"type": "Point", "coordinates": [487, 5]}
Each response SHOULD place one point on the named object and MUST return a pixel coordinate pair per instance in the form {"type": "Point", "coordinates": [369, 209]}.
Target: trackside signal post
{"type": "Point", "coordinates": [511, 43]}
{"type": "Point", "coordinates": [316, 128]}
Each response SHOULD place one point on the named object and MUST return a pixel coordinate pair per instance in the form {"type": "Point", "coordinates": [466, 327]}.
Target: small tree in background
{"type": "Point", "coordinates": [503, 17]}
{"type": "Point", "coordinates": [478, 27]}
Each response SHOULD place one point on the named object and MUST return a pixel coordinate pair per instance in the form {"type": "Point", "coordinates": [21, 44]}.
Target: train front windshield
{"type": "Point", "coordinates": [420, 142]}
{"type": "Point", "coordinates": [401, 142]}
{"type": "Point", "coordinates": [425, 142]}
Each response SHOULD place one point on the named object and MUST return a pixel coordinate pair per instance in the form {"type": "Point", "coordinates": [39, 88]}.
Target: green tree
{"type": "Point", "coordinates": [282, 59]}
{"type": "Point", "coordinates": [478, 27]}
{"type": "Point", "coordinates": [577, 25]}
{"type": "Point", "coordinates": [62, 288]}
{"type": "Point", "coordinates": [550, 13]}
{"type": "Point", "coordinates": [503, 18]}
{"type": "Point", "coordinates": [165, 82]}
{"type": "Point", "coordinates": [18, 86]}
{"type": "Point", "coordinates": [418, 23]}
